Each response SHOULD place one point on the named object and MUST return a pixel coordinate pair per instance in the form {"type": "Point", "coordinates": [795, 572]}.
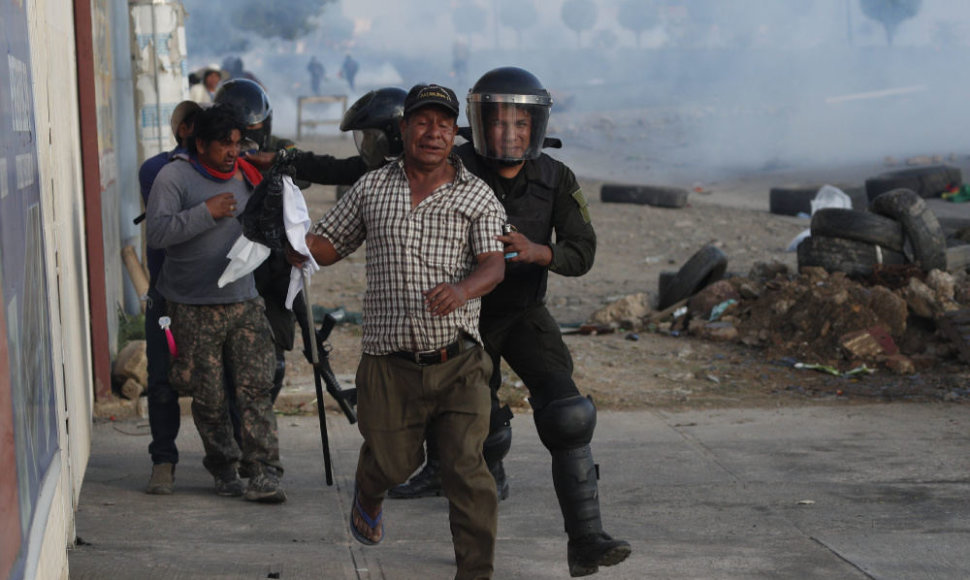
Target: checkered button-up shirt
{"type": "Point", "coordinates": [412, 250]}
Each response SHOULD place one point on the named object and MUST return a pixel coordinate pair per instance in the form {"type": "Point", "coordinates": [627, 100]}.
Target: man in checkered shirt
{"type": "Point", "coordinates": [432, 252]}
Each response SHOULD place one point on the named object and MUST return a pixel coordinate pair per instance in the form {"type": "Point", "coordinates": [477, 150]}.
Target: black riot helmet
{"type": "Point", "coordinates": [252, 103]}
{"type": "Point", "coordinates": [508, 110]}
{"type": "Point", "coordinates": [375, 119]}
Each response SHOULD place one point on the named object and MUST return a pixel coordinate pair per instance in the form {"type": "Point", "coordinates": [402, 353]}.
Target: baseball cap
{"type": "Point", "coordinates": [423, 95]}
{"type": "Point", "coordinates": [183, 110]}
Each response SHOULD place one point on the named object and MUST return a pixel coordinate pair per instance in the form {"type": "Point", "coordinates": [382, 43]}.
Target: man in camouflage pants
{"type": "Point", "coordinates": [190, 214]}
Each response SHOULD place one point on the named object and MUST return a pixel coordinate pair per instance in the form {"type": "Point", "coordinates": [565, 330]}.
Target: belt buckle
{"type": "Point", "coordinates": [419, 357]}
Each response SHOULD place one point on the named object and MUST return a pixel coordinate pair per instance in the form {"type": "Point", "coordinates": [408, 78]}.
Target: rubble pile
{"type": "Point", "coordinates": [895, 319]}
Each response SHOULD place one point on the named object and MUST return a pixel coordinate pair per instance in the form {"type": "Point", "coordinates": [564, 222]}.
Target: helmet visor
{"type": "Point", "coordinates": [372, 145]}
{"type": "Point", "coordinates": [508, 131]}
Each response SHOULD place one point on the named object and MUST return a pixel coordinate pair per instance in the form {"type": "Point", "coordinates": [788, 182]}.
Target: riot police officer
{"type": "Point", "coordinates": [508, 110]}
{"type": "Point", "coordinates": [373, 118]}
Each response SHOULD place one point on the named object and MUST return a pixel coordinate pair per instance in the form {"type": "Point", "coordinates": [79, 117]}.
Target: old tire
{"type": "Point", "coordinates": [797, 199]}
{"type": "Point", "coordinates": [862, 226]}
{"type": "Point", "coordinates": [919, 224]}
{"type": "Point", "coordinates": [664, 280]}
{"type": "Point", "coordinates": [659, 196]}
{"type": "Point", "coordinates": [927, 181]}
{"type": "Point", "coordinates": [853, 257]}
{"type": "Point", "coordinates": [704, 267]}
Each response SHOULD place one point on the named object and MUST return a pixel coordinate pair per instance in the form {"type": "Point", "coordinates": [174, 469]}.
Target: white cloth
{"type": "Point", "coordinates": [244, 256]}
{"type": "Point", "coordinates": [296, 221]}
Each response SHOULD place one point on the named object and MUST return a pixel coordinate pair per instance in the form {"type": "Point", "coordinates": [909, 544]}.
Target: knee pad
{"type": "Point", "coordinates": [566, 423]}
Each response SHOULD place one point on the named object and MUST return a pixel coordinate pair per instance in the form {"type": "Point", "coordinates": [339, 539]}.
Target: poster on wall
{"type": "Point", "coordinates": [28, 412]}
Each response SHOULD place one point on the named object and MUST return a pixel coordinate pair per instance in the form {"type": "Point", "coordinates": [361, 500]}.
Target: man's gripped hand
{"type": "Point", "coordinates": [444, 299]}
{"type": "Point", "coordinates": [221, 205]}
{"type": "Point", "coordinates": [295, 258]}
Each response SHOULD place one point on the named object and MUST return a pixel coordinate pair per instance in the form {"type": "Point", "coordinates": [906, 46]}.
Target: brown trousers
{"type": "Point", "coordinates": [397, 399]}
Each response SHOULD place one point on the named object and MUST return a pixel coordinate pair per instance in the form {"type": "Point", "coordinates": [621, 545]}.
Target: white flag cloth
{"type": "Point", "coordinates": [244, 256]}
{"type": "Point", "coordinates": [296, 221]}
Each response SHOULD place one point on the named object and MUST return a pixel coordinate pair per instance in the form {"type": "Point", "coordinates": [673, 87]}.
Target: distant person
{"type": "Point", "coordinates": [191, 215]}
{"type": "Point", "coordinates": [432, 252]}
{"type": "Point", "coordinates": [317, 74]}
{"type": "Point", "coordinates": [203, 91]}
{"type": "Point", "coordinates": [233, 66]}
{"type": "Point", "coordinates": [164, 413]}
{"type": "Point", "coordinates": [348, 70]}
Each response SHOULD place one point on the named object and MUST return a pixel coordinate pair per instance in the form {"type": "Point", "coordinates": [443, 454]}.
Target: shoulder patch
{"type": "Point", "coordinates": [580, 200]}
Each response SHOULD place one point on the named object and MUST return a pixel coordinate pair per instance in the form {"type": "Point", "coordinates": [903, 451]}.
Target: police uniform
{"type": "Point", "coordinates": [273, 275]}
{"type": "Point", "coordinates": [542, 199]}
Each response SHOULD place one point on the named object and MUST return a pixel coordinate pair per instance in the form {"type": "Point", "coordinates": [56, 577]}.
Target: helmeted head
{"type": "Point", "coordinates": [508, 111]}
{"type": "Point", "coordinates": [252, 103]}
{"type": "Point", "coordinates": [375, 119]}
{"type": "Point", "coordinates": [183, 118]}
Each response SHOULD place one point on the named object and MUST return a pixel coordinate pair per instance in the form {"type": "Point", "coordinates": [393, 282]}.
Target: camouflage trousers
{"type": "Point", "coordinates": [213, 339]}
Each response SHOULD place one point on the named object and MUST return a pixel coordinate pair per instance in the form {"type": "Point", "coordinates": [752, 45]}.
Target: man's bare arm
{"type": "Point", "coordinates": [320, 247]}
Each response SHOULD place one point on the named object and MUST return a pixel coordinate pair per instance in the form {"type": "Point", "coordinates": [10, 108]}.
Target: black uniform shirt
{"type": "Point", "coordinates": [542, 200]}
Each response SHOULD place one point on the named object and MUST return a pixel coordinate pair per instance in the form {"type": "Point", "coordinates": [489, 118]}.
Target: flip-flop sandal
{"type": "Point", "coordinates": [373, 524]}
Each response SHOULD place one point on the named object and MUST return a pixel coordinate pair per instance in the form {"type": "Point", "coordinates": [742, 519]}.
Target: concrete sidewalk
{"type": "Point", "coordinates": [873, 491]}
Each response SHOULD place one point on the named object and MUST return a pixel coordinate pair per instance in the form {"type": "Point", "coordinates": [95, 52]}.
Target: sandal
{"type": "Point", "coordinates": [373, 524]}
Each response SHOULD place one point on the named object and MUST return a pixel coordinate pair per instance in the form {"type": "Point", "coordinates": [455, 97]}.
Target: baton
{"type": "Point", "coordinates": [318, 383]}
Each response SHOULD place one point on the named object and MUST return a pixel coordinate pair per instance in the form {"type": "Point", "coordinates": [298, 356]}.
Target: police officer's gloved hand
{"type": "Point", "coordinates": [284, 163]}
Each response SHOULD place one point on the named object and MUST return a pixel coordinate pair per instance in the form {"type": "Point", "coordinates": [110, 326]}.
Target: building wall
{"type": "Point", "coordinates": [47, 379]}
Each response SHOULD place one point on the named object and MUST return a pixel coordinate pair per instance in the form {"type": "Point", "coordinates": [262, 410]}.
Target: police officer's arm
{"type": "Point", "coordinates": [328, 170]}
{"type": "Point", "coordinates": [322, 169]}
{"type": "Point", "coordinates": [575, 244]}
{"type": "Point", "coordinates": [443, 299]}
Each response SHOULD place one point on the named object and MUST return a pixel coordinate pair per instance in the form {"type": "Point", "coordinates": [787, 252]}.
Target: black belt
{"type": "Point", "coordinates": [438, 355]}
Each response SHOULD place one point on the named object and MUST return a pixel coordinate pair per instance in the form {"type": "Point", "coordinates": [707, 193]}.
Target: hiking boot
{"type": "Point", "coordinates": [228, 483]}
{"type": "Point", "coordinates": [585, 555]}
{"type": "Point", "coordinates": [427, 483]}
{"type": "Point", "coordinates": [501, 481]}
{"type": "Point", "coordinates": [162, 481]}
{"type": "Point", "coordinates": [265, 488]}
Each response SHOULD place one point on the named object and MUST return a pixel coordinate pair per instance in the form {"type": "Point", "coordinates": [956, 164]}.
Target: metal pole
{"type": "Point", "coordinates": [317, 382]}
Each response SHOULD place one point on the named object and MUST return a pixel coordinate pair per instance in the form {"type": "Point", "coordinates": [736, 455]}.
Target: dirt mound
{"type": "Point", "coordinates": [815, 317]}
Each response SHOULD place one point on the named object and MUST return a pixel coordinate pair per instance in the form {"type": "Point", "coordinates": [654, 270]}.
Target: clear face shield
{"type": "Point", "coordinates": [509, 128]}
{"type": "Point", "coordinates": [372, 145]}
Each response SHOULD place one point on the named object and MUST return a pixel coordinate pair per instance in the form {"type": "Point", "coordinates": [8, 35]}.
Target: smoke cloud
{"type": "Point", "coordinates": [698, 88]}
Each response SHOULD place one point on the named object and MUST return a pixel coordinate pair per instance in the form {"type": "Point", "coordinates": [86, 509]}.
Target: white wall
{"type": "Point", "coordinates": [54, 74]}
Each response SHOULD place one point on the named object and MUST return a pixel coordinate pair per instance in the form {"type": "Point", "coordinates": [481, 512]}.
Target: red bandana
{"type": "Point", "coordinates": [252, 175]}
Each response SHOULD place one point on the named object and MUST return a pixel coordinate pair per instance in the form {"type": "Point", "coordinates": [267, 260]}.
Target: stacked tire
{"type": "Point", "coordinates": [797, 199]}
{"type": "Point", "coordinates": [926, 181]}
{"type": "Point", "coordinates": [898, 229]}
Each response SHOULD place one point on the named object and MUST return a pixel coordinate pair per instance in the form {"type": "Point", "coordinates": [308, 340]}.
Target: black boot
{"type": "Point", "coordinates": [574, 475]}
{"type": "Point", "coordinates": [585, 555]}
{"type": "Point", "coordinates": [426, 483]}
{"type": "Point", "coordinates": [501, 481]}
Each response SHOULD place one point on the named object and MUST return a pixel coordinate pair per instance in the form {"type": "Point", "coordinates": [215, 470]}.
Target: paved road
{"type": "Point", "coordinates": [873, 491]}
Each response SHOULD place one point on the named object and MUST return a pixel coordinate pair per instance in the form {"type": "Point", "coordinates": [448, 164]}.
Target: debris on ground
{"type": "Point", "coordinates": [900, 318]}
